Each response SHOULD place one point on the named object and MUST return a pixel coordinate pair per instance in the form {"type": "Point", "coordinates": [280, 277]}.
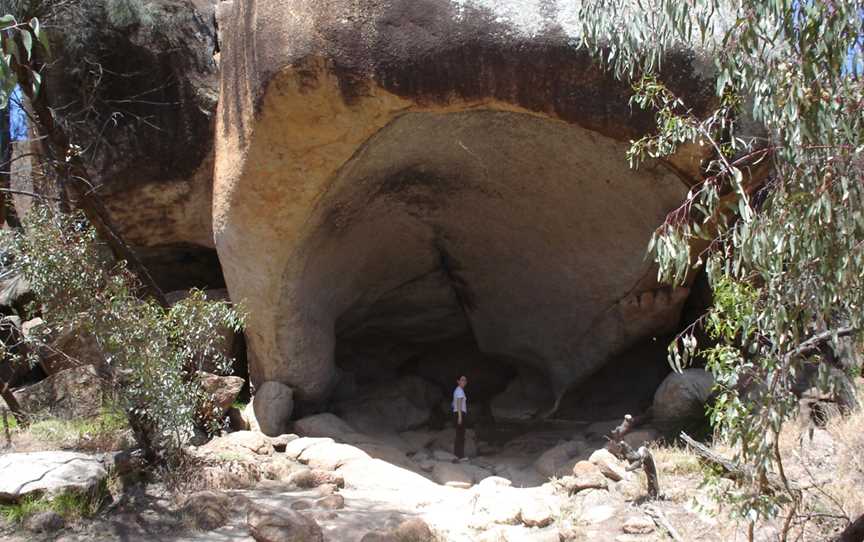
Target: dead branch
{"type": "Point", "coordinates": [660, 519]}
{"type": "Point", "coordinates": [640, 459]}
{"type": "Point", "coordinates": [730, 468]}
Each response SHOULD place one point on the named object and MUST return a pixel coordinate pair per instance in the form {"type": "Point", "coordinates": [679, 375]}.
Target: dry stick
{"type": "Point", "coordinates": [662, 522]}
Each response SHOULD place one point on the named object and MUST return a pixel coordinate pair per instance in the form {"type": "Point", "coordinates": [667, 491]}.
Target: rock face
{"type": "Point", "coordinates": [145, 120]}
{"type": "Point", "coordinates": [70, 393]}
{"type": "Point", "coordinates": [48, 473]}
{"type": "Point", "coordinates": [408, 172]}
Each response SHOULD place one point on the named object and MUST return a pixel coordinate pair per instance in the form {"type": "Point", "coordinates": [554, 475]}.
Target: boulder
{"type": "Point", "coordinates": [641, 437]}
{"type": "Point", "coordinates": [609, 465]}
{"type": "Point", "coordinates": [330, 455]}
{"type": "Point", "coordinates": [323, 425]}
{"type": "Point", "coordinates": [588, 476]}
{"type": "Point", "coordinates": [66, 349]}
{"type": "Point", "coordinates": [71, 393]}
{"type": "Point", "coordinates": [241, 443]}
{"type": "Point", "coordinates": [374, 474]}
{"type": "Point", "coordinates": [331, 502]}
{"type": "Point", "coordinates": [398, 405]}
{"type": "Point", "coordinates": [268, 524]}
{"type": "Point", "coordinates": [44, 522]}
{"type": "Point", "coordinates": [48, 473]}
{"type": "Point", "coordinates": [155, 182]}
{"type": "Point", "coordinates": [525, 397]}
{"type": "Point", "coordinates": [223, 389]}
{"type": "Point", "coordinates": [417, 440]}
{"type": "Point", "coordinates": [414, 530]}
{"type": "Point", "coordinates": [358, 180]}
{"type": "Point", "coordinates": [207, 510]}
{"type": "Point", "coordinates": [557, 460]}
{"type": "Point", "coordinates": [681, 398]}
{"type": "Point", "coordinates": [296, 447]}
{"type": "Point", "coordinates": [273, 403]}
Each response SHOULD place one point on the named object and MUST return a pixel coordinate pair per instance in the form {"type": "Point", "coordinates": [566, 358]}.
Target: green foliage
{"type": "Point", "coordinates": [16, 49]}
{"type": "Point", "coordinates": [152, 352]}
{"type": "Point", "coordinates": [783, 250]}
{"type": "Point", "coordinates": [104, 432]}
{"type": "Point", "coordinates": [72, 505]}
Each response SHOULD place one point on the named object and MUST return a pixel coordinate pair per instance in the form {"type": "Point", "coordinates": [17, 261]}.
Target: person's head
{"type": "Point", "coordinates": [462, 381]}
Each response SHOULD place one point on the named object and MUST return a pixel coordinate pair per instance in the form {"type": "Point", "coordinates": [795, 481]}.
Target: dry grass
{"type": "Point", "coordinates": [107, 432]}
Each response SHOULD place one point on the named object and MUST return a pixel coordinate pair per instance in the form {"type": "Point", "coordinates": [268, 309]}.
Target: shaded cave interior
{"type": "Point", "coordinates": [497, 245]}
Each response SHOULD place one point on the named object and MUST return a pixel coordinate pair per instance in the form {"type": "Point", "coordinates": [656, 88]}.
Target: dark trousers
{"type": "Point", "coordinates": [459, 445]}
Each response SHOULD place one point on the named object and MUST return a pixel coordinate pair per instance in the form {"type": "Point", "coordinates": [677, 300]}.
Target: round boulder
{"type": "Point", "coordinates": [681, 398]}
{"type": "Point", "coordinates": [273, 404]}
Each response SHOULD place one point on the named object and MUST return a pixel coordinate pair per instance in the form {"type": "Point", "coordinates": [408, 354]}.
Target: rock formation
{"type": "Point", "coordinates": [410, 172]}
{"type": "Point", "coordinates": [416, 187]}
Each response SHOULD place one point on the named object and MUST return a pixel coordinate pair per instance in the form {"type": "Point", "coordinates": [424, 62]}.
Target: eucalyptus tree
{"type": "Point", "coordinates": [784, 248]}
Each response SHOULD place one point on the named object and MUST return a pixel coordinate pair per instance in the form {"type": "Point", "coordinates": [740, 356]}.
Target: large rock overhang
{"type": "Point", "coordinates": [416, 171]}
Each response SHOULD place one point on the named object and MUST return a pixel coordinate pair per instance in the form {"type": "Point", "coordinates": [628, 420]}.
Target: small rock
{"type": "Point", "coordinates": [207, 510]}
{"type": "Point", "coordinates": [224, 389]}
{"type": "Point", "coordinates": [281, 442]}
{"type": "Point", "coordinates": [309, 478]}
{"type": "Point", "coordinates": [638, 525]}
{"type": "Point", "coordinates": [608, 464]}
{"type": "Point", "coordinates": [414, 530]}
{"type": "Point", "coordinates": [587, 476]}
{"type": "Point", "coordinates": [268, 524]}
{"type": "Point", "coordinates": [536, 513]}
{"type": "Point", "coordinates": [327, 489]}
{"type": "Point", "coordinates": [331, 502]}
{"type": "Point", "coordinates": [301, 505]}
{"type": "Point", "coordinates": [44, 522]}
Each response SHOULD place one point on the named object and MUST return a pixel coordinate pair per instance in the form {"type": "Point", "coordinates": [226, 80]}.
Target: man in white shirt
{"type": "Point", "coordinates": [460, 413]}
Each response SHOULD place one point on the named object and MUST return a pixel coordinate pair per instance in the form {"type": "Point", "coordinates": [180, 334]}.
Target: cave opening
{"type": "Point", "coordinates": [494, 244]}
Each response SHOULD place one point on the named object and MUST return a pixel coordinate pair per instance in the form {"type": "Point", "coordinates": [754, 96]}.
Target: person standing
{"type": "Point", "coordinates": [460, 414]}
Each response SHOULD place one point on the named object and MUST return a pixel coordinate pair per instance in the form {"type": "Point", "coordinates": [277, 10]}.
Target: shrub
{"type": "Point", "coordinates": [152, 352]}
